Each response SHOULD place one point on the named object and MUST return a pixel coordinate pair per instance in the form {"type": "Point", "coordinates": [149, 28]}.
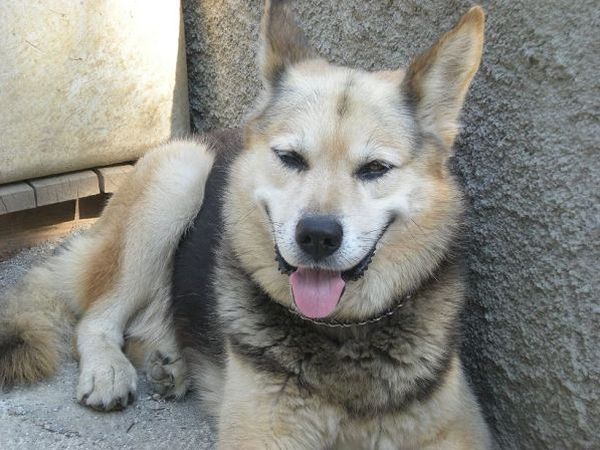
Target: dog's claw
{"type": "Point", "coordinates": [107, 387]}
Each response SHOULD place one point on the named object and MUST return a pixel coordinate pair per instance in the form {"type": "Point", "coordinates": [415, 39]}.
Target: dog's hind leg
{"type": "Point", "coordinates": [128, 274]}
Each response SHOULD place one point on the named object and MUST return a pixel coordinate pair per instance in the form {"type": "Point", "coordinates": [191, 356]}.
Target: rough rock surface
{"type": "Point", "coordinates": [527, 157]}
{"type": "Point", "coordinates": [47, 416]}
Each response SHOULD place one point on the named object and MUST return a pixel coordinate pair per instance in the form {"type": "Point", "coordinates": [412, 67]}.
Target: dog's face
{"type": "Point", "coordinates": [341, 164]}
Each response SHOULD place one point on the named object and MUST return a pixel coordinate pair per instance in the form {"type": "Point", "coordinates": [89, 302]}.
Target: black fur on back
{"type": "Point", "coordinates": [193, 299]}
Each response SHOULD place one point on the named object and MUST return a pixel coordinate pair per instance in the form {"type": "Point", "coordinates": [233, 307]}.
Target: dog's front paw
{"type": "Point", "coordinates": [167, 373]}
{"type": "Point", "coordinates": [107, 385]}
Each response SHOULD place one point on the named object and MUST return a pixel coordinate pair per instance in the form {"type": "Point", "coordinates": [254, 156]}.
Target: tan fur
{"type": "Point", "coordinates": [35, 354]}
{"type": "Point", "coordinates": [104, 262]}
{"type": "Point", "coordinates": [115, 280]}
{"type": "Point", "coordinates": [283, 46]}
{"type": "Point", "coordinates": [447, 68]}
{"type": "Point", "coordinates": [103, 271]}
{"type": "Point", "coordinates": [35, 328]}
{"type": "Point", "coordinates": [260, 411]}
{"type": "Point", "coordinates": [111, 279]}
{"type": "Point", "coordinates": [263, 413]}
{"type": "Point", "coordinates": [452, 63]}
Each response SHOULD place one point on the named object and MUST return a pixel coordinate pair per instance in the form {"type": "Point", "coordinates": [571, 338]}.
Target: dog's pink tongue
{"type": "Point", "coordinates": [316, 292]}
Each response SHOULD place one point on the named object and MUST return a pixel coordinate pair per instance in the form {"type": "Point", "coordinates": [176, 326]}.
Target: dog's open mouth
{"type": "Point", "coordinates": [317, 292]}
{"type": "Point", "coordinates": [352, 274]}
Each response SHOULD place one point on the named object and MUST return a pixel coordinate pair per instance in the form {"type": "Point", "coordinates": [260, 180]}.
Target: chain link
{"type": "Point", "coordinates": [337, 324]}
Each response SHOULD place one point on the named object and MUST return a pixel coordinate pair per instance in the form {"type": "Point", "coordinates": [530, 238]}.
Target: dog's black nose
{"type": "Point", "coordinates": [319, 236]}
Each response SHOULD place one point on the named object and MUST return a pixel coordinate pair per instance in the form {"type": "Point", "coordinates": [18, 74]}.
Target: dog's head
{"type": "Point", "coordinates": [345, 170]}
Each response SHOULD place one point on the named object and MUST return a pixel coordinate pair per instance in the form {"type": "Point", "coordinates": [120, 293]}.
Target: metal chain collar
{"type": "Point", "coordinates": [338, 324]}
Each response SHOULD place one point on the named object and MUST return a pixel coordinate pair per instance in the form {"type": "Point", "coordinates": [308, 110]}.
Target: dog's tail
{"type": "Point", "coordinates": [36, 324]}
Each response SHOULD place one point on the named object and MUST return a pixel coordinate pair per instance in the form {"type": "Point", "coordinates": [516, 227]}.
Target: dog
{"type": "Point", "coordinates": [301, 276]}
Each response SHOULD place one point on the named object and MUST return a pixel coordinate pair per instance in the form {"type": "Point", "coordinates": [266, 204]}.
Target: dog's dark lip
{"type": "Point", "coordinates": [352, 274]}
{"type": "Point", "coordinates": [357, 272]}
{"type": "Point", "coordinates": [282, 264]}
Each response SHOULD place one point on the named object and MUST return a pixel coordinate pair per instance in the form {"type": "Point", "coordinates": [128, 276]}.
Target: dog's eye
{"type": "Point", "coordinates": [291, 159]}
{"type": "Point", "coordinates": [373, 169]}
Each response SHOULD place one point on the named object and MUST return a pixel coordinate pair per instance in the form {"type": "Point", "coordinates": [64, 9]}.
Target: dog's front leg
{"type": "Point", "coordinates": [107, 379]}
{"type": "Point", "coordinates": [266, 411]}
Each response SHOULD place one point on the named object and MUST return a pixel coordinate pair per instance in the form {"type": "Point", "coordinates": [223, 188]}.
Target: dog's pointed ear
{"type": "Point", "coordinates": [437, 80]}
{"type": "Point", "coordinates": [282, 42]}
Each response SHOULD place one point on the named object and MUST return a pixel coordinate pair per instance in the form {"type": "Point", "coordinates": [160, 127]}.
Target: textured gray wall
{"type": "Point", "coordinates": [527, 157]}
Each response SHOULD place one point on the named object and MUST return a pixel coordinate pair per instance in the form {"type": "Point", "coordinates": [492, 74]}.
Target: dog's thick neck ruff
{"type": "Point", "coordinates": [387, 352]}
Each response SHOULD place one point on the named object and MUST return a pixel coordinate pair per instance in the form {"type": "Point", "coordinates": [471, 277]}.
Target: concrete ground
{"type": "Point", "coordinates": [47, 415]}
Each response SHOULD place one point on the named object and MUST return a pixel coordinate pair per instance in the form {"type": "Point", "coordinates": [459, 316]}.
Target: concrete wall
{"type": "Point", "coordinates": [527, 157]}
{"type": "Point", "coordinates": [85, 84]}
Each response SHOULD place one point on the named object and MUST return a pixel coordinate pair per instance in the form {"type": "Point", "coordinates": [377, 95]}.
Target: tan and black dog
{"type": "Point", "coordinates": [300, 276]}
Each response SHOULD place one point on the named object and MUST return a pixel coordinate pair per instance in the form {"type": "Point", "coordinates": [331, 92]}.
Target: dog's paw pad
{"type": "Point", "coordinates": [167, 374]}
{"type": "Point", "coordinates": [107, 387]}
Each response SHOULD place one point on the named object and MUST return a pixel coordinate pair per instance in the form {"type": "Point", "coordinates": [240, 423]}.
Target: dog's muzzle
{"type": "Point", "coordinates": [352, 274]}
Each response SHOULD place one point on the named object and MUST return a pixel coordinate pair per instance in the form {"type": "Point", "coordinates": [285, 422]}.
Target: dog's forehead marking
{"type": "Point", "coordinates": [348, 113]}
{"type": "Point", "coordinates": [343, 98]}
